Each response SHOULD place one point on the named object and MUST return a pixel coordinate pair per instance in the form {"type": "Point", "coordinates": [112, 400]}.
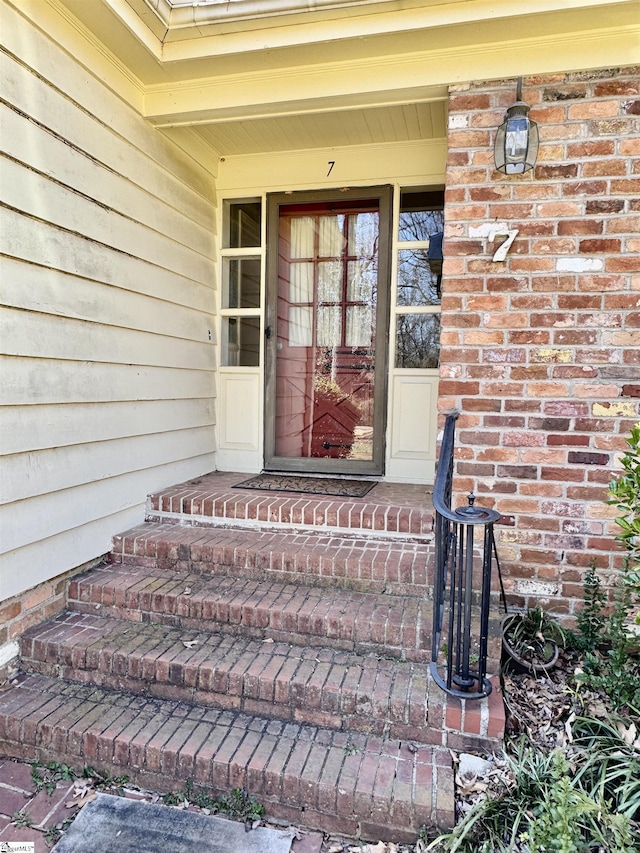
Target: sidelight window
{"type": "Point", "coordinates": [418, 280]}
{"type": "Point", "coordinates": [241, 283]}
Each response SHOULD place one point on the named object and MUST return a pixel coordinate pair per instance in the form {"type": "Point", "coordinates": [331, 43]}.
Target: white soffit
{"type": "Point", "coordinates": [249, 74]}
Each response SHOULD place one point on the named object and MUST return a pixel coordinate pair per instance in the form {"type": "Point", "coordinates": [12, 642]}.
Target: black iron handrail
{"type": "Point", "coordinates": [455, 557]}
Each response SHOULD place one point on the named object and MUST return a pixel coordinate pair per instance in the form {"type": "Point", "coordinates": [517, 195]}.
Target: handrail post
{"type": "Point", "coordinates": [455, 559]}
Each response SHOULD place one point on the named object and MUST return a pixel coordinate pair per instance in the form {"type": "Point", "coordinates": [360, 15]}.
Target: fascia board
{"type": "Point", "coordinates": [383, 81]}
{"type": "Point", "coordinates": [198, 31]}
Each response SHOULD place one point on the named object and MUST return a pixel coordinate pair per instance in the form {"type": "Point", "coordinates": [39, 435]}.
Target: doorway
{"type": "Point", "coordinates": [328, 274]}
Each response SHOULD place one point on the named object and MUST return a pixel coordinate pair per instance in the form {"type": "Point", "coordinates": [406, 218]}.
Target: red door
{"type": "Point", "coordinates": [327, 364]}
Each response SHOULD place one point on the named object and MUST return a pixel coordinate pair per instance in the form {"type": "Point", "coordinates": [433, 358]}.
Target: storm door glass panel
{"type": "Point", "coordinates": [301, 282]}
{"type": "Point", "coordinates": [302, 237]}
{"type": "Point", "coordinates": [325, 362]}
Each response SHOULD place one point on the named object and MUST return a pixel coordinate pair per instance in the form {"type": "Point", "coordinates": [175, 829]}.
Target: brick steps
{"type": "Point", "coordinates": [397, 626]}
{"type": "Point", "coordinates": [277, 642]}
{"type": "Point", "coordinates": [318, 557]}
{"type": "Point", "coordinates": [390, 508]}
{"type": "Point", "coordinates": [319, 686]}
{"type": "Point", "coordinates": [351, 783]}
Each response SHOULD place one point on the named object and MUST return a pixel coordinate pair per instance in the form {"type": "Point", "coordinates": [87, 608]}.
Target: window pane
{"type": "Point", "coordinates": [359, 326]}
{"type": "Point", "coordinates": [329, 281]}
{"type": "Point", "coordinates": [302, 237]}
{"type": "Point", "coordinates": [329, 326]}
{"type": "Point", "coordinates": [330, 236]}
{"type": "Point", "coordinates": [241, 341]}
{"type": "Point", "coordinates": [363, 234]}
{"type": "Point", "coordinates": [362, 279]}
{"type": "Point", "coordinates": [301, 282]}
{"type": "Point", "coordinates": [244, 224]}
{"type": "Point", "coordinates": [421, 214]}
{"type": "Point", "coordinates": [300, 332]}
{"type": "Point", "coordinates": [418, 279]}
{"type": "Point", "coordinates": [241, 283]}
{"type": "Point", "coordinates": [418, 340]}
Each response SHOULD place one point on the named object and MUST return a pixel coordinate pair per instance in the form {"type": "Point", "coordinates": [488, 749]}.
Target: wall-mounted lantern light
{"type": "Point", "coordinates": [516, 146]}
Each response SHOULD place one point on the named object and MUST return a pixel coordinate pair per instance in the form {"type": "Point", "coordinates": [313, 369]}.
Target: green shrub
{"type": "Point", "coordinates": [563, 801]}
{"type": "Point", "coordinates": [624, 493]}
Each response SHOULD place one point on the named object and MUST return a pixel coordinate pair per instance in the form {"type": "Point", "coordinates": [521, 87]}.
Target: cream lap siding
{"type": "Point", "coordinates": [107, 361]}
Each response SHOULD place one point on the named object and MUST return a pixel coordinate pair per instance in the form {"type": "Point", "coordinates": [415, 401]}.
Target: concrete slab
{"type": "Point", "coordinates": [115, 823]}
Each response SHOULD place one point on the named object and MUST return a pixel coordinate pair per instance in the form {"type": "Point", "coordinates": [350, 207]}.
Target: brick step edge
{"type": "Point", "coordinates": [349, 783]}
{"type": "Point", "coordinates": [319, 558]}
{"type": "Point", "coordinates": [321, 687]}
{"type": "Point", "coordinates": [399, 626]}
{"type": "Point", "coordinates": [268, 509]}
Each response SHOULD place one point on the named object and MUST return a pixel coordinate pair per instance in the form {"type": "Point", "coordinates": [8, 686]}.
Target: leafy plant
{"type": "Point", "coordinates": [609, 665]}
{"type": "Point", "coordinates": [624, 493]}
{"type": "Point", "coordinates": [22, 820]}
{"type": "Point", "coordinates": [46, 776]}
{"type": "Point", "coordinates": [173, 798]}
{"type": "Point", "coordinates": [553, 804]}
{"type": "Point", "coordinates": [590, 618]}
{"type": "Point", "coordinates": [612, 761]}
{"type": "Point", "coordinates": [53, 833]}
{"type": "Point", "coordinates": [105, 782]}
{"type": "Point", "coordinates": [238, 804]}
{"type": "Point", "coordinates": [557, 828]}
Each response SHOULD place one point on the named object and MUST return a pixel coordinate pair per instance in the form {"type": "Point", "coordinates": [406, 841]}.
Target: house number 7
{"type": "Point", "coordinates": [501, 252]}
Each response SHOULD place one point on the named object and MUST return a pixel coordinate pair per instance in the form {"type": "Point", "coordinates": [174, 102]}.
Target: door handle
{"type": "Point", "coordinates": [267, 332]}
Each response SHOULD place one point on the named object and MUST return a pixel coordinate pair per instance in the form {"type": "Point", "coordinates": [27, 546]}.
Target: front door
{"type": "Point", "coordinates": [327, 331]}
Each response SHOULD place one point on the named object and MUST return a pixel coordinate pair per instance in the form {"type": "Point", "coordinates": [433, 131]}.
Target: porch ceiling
{"type": "Point", "coordinates": [276, 75]}
{"type": "Point", "coordinates": [328, 129]}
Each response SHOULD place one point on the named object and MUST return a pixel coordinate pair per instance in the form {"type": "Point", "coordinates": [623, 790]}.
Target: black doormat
{"type": "Point", "coordinates": [308, 485]}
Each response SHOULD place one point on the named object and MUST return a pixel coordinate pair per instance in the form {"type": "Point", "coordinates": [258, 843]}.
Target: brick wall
{"type": "Point", "coordinates": [541, 353]}
{"type": "Point", "coordinates": [28, 609]}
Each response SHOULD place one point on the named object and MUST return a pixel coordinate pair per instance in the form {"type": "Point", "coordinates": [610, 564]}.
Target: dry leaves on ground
{"type": "Point", "coordinates": [542, 708]}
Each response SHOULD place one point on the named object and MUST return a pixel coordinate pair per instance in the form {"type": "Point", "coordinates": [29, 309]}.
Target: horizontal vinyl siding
{"type": "Point", "coordinates": [107, 366]}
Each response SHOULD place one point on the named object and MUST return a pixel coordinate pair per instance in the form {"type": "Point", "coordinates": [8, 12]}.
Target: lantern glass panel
{"type": "Point", "coordinates": [516, 143]}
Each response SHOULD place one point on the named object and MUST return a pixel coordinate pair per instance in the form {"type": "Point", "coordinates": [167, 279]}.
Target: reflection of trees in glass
{"type": "Point", "coordinates": [420, 224]}
{"type": "Point", "coordinates": [418, 340]}
{"type": "Point", "coordinates": [418, 276]}
{"type": "Point", "coordinates": [417, 283]}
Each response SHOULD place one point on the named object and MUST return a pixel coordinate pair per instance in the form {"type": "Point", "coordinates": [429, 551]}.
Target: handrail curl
{"type": "Point", "coordinates": [444, 479]}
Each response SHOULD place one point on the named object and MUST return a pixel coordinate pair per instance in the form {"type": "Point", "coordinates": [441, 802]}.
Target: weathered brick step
{"type": "Point", "coordinates": [324, 687]}
{"type": "Point", "coordinates": [315, 558]}
{"type": "Point", "coordinates": [350, 783]}
{"type": "Point", "coordinates": [400, 509]}
{"type": "Point", "coordinates": [399, 626]}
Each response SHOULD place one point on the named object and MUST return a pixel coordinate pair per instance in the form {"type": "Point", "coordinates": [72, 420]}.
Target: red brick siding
{"type": "Point", "coordinates": [32, 607]}
{"type": "Point", "coordinates": [541, 353]}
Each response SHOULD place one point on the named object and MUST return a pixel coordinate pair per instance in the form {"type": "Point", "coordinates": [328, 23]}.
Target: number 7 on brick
{"type": "Point", "coordinates": [501, 252]}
